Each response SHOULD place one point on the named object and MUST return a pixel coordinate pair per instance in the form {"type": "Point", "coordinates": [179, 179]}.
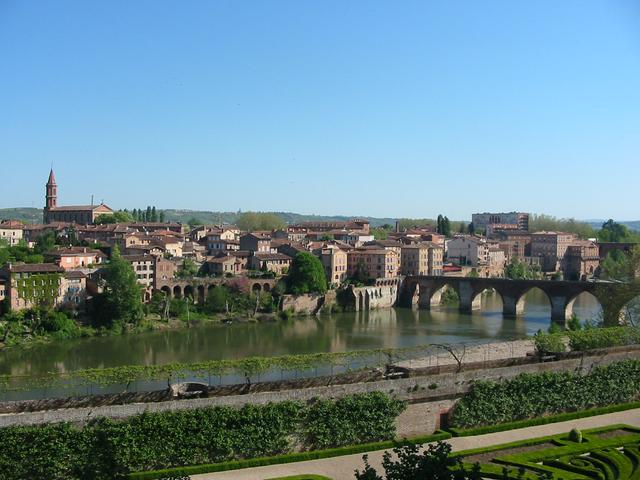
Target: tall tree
{"type": "Point", "coordinates": [121, 299]}
{"type": "Point", "coordinates": [161, 216]}
{"type": "Point", "coordinates": [147, 214]}
{"type": "Point", "coordinates": [439, 224]}
{"type": "Point", "coordinates": [306, 275]}
{"type": "Point", "coordinates": [446, 227]}
{"type": "Point", "coordinates": [154, 214]}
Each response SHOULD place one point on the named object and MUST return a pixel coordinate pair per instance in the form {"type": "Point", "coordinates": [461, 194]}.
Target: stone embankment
{"type": "Point", "coordinates": [430, 390]}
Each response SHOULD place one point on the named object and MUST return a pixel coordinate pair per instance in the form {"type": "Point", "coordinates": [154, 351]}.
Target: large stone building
{"type": "Point", "coordinates": [80, 214]}
{"type": "Point", "coordinates": [373, 262]}
{"type": "Point", "coordinates": [41, 284]}
{"type": "Point", "coordinates": [550, 248]}
{"type": "Point", "coordinates": [482, 220]}
{"type": "Point", "coordinates": [424, 258]}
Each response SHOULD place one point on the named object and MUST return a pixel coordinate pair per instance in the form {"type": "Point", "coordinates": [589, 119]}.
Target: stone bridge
{"type": "Point", "coordinates": [198, 287]}
{"type": "Point", "coordinates": [427, 291]}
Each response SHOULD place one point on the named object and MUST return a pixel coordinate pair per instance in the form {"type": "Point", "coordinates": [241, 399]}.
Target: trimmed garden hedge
{"type": "Point", "coordinates": [540, 394]}
{"type": "Point", "coordinates": [531, 422]}
{"type": "Point", "coordinates": [289, 458]}
{"type": "Point", "coordinates": [107, 448]}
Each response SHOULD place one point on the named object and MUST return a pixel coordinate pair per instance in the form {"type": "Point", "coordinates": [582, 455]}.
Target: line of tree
{"type": "Point", "coordinates": [443, 226]}
{"type": "Point", "coordinates": [150, 214]}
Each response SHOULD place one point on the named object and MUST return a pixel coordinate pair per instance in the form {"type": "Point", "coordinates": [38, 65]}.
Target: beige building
{"type": "Point", "coordinates": [334, 261]}
{"type": "Point", "coordinates": [223, 265]}
{"type": "Point", "coordinates": [421, 259]}
{"type": "Point", "coordinates": [278, 263]}
{"type": "Point", "coordinates": [11, 231]}
{"type": "Point", "coordinates": [375, 262]}
{"type": "Point", "coordinates": [581, 260]}
{"type": "Point", "coordinates": [144, 268]}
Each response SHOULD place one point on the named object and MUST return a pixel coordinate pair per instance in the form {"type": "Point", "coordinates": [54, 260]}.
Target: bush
{"type": "Point", "coordinates": [352, 419]}
{"type": "Point", "coordinates": [587, 339]}
{"type": "Point", "coordinates": [540, 394]}
{"type": "Point", "coordinates": [107, 448]}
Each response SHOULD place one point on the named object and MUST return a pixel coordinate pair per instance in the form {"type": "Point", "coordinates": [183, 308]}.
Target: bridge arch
{"type": "Point", "coordinates": [520, 299]}
{"type": "Point", "coordinates": [188, 291]}
{"type": "Point", "coordinates": [630, 312]}
{"type": "Point", "coordinates": [477, 298]}
{"type": "Point", "coordinates": [581, 302]}
{"type": "Point", "coordinates": [201, 294]}
{"type": "Point", "coordinates": [439, 294]}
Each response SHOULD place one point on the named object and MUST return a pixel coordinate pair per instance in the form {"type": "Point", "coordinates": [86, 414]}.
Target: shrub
{"type": "Point", "coordinates": [540, 394]}
{"type": "Point", "coordinates": [107, 448]}
{"type": "Point", "coordinates": [575, 435]}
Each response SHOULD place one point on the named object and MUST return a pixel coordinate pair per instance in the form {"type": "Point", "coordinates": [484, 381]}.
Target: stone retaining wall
{"type": "Point", "coordinates": [435, 392]}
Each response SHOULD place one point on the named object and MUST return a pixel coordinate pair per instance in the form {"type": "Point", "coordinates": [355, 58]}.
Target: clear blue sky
{"type": "Point", "coordinates": [328, 107]}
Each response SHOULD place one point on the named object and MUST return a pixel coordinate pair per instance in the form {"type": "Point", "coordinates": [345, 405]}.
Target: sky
{"type": "Point", "coordinates": [388, 109]}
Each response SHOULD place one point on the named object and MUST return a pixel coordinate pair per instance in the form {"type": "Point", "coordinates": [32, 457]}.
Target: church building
{"type": "Point", "coordinates": [80, 214]}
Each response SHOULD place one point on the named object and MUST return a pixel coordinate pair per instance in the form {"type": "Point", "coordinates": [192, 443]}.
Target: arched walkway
{"type": "Point", "coordinates": [188, 291]}
{"type": "Point", "coordinates": [177, 291]}
{"type": "Point", "coordinates": [166, 290]}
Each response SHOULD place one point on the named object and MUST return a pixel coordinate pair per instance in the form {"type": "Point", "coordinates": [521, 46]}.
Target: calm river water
{"type": "Point", "coordinates": [392, 328]}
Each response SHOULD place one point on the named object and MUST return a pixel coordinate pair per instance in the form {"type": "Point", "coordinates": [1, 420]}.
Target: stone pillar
{"type": "Point", "coordinates": [559, 309]}
{"type": "Point", "coordinates": [469, 301]}
{"type": "Point", "coordinates": [512, 306]}
{"type": "Point", "coordinates": [424, 298]}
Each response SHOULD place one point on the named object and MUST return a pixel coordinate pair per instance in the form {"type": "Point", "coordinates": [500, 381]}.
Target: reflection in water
{"type": "Point", "coordinates": [390, 328]}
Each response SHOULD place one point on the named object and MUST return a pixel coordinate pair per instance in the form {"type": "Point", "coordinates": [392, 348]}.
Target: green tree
{"type": "Point", "coordinates": [251, 221]}
{"type": "Point", "coordinates": [517, 270]}
{"type": "Point", "coordinates": [217, 299]}
{"type": "Point", "coordinates": [154, 214]}
{"type": "Point", "coordinates": [542, 222]}
{"type": "Point", "coordinates": [121, 299]}
{"type": "Point", "coordinates": [187, 269]}
{"type": "Point", "coordinates": [161, 216]}
{"type": "Point", "coordinates": [306, 275]}
{"type": "Point", "coordinates": [45, 243]}
{"type": "Point", "coordinates": [615, 232]}
{"type": "Point", "coordinates": [121, 216]}
{"type": "Point", "coordinates": [434, 463]}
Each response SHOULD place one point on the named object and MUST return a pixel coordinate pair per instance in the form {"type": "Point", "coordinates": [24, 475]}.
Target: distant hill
{"type": "Point", "coordinates": [26, 215]}
{"type": "Point", "coordinates": [34, 215]}
{"type": "Point", "coordinates": [207, 217]}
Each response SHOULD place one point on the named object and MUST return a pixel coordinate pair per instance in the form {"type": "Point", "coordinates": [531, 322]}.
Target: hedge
{"type": "Point", "coordinates": [107, 448]}
{"type": "Point", "coordinates": [541, 394]}
{"type": "Point", "coordinates": [587, 339]}
{"type": "Point", "coordinates": [289, 458]}
{"type": "Point", "coordinates": [532, 422]}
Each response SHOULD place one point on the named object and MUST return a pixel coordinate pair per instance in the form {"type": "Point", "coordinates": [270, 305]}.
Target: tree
{"type": "Point", "coordinates": [306, 275]}
{"type": "Point", "coordinates": [121, 300]}
{"type": "Point", "coordinates": [251, 221]}
{"type": "Point", "coordinates": [616, 232]}
{"type": "Point", "coordinates": [517, 270]}
{"type": "Point", "coordinates": [624, 267]}
{"type": "Point", "coordinates": [154, 214]}
{"type": "Point", "coordinates": [434, 463]}
{"type": "Point", "coordinates": [161, 216]}
{"type": "Point", "coordinates": [187, 269]}
{"type": "Point", "coordinates": [543, 222]}
{"type": "Point", "coordinates": [121, 216]}
{"type": "Point", "coordinates": [471, 229]}
{"type": "Point", "coordinates": [217, 300]}
{"type": "Point", "coordinates": [446, 227]}
{"type": "Point", "coordinates": [439, 223]}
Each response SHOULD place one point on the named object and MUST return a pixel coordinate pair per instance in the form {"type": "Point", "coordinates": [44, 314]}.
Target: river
{"type": "Point", "coordinates": [389, 328]}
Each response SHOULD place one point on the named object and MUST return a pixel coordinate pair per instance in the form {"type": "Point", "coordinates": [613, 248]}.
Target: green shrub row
{"type": "Point", "coordinates": [107, 448]}
{"type": "Point", "coordinates": [531, 422]}
{"type": "Point", "coordinates": [288, 458]}
{"type": "Point", "coordinates": [587, 339]}
{"type": "Point", "coordinates": [540, 394]}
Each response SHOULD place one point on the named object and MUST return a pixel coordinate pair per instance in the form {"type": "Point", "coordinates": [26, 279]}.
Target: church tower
{"type": "Point", "coordinates": [51, 197]}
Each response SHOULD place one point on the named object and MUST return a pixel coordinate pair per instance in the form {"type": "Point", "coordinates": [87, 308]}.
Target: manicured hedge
{"type": "Point", "coordinates": [107, 448]}
{"type": "Point", "coordinates": [537, 395]}
{"type": "Point", "coordinates": [531, 422]}
{"type": "Point", "coordinates": [289, 458]}
{"type": "Point", "coordinates": [587, 339]}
